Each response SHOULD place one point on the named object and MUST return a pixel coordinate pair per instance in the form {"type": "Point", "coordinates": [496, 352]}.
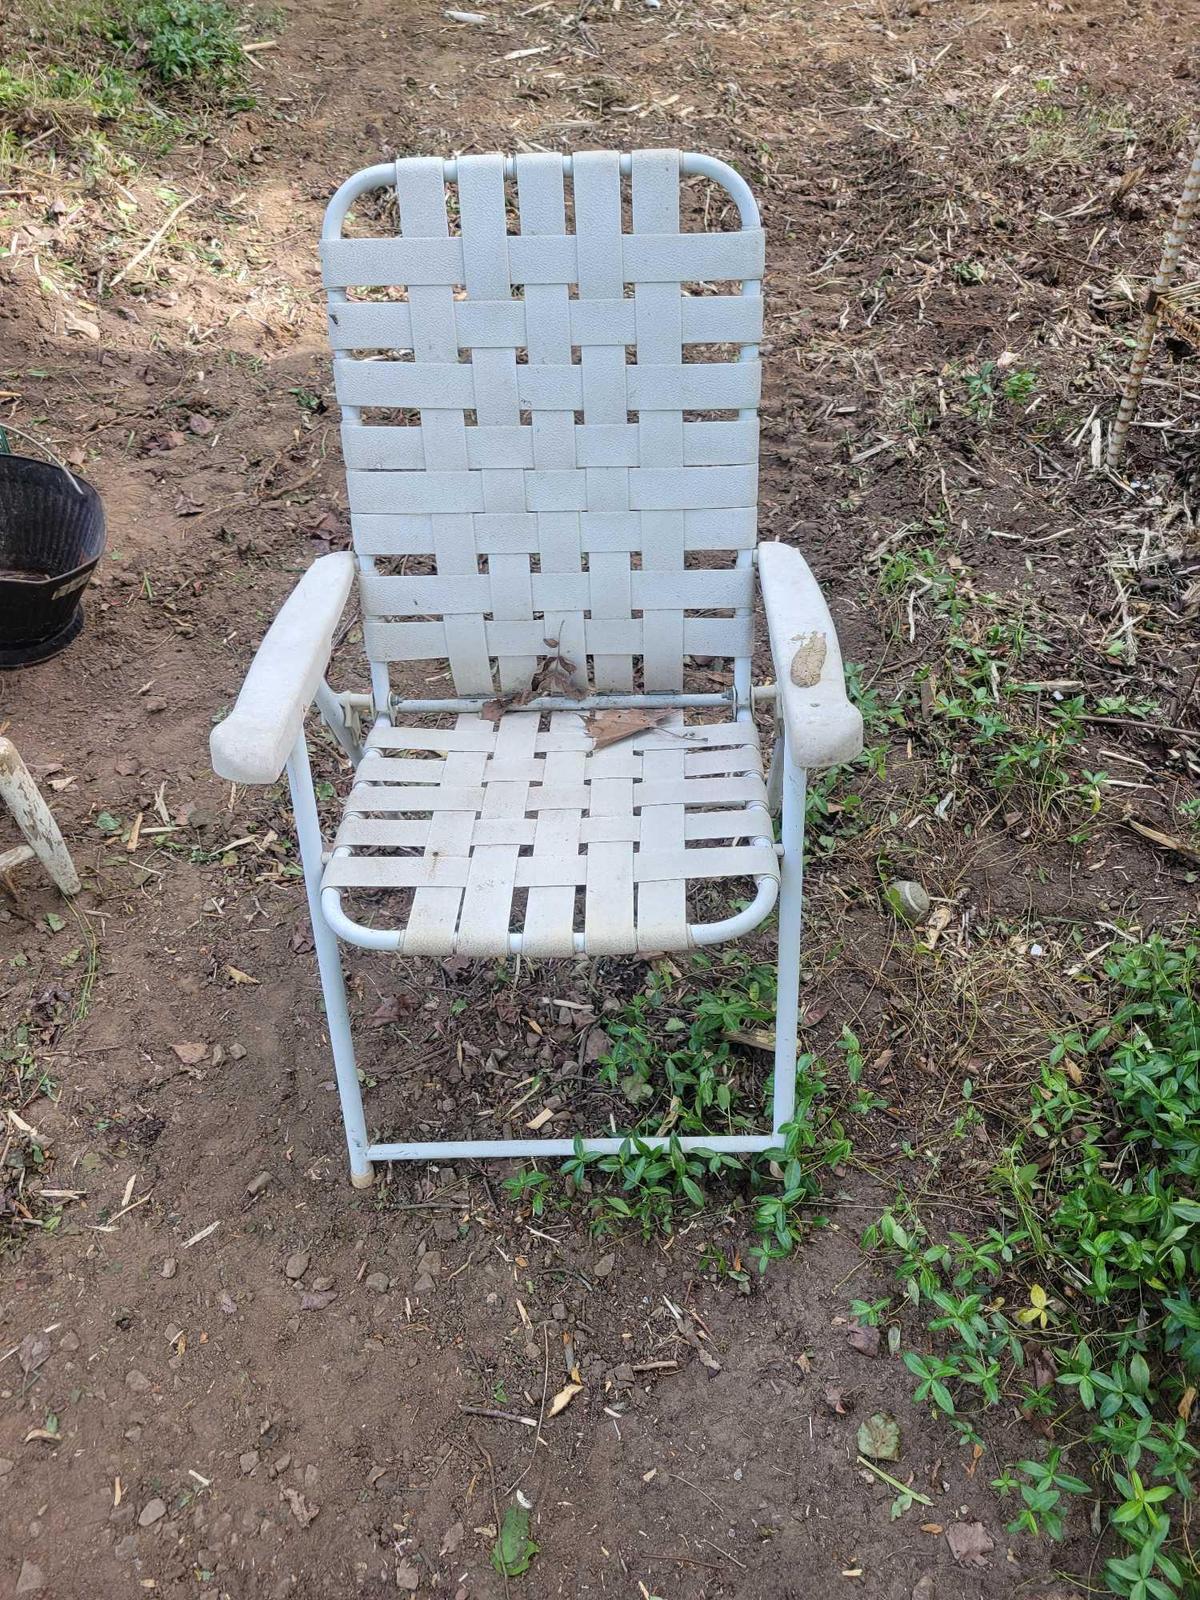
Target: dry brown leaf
{"type": "Point", "coordinates": [864, 1340]}
{"type": "Point", "coordinates": [939, 921]}
{"type": "Point", "coordinates": [563, 1398]}
{"type": "Point", "coordinates": [1186, 1401]}
{"type": "Point", "coordinates": [969, 1543]}
{"type": "Point", "coordinates": [303, 1510]}
{"type": "Point", "coordinates": [610, 727]}
{"type": "Point", "coordinates": [236, 975]}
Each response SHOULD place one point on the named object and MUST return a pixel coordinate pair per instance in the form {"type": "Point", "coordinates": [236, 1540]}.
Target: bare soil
{"type": "Point", "coordinates": [306, 1434]}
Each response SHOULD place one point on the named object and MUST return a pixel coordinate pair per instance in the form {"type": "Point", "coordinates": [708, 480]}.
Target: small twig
{"type": "Point", "coordinates": [155, 239]}
{"type": "Point", "coordinates": [498, 1416]}
{"type": "Point", "coordinates": [496, 1513]}
{"type": "Point", "coordinates": [537, 1438]}
{"type": "Point", "coordinates": [726, 1555]}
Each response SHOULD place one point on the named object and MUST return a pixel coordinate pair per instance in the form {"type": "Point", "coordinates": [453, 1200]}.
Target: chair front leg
{"type": "Point", "coordinates": [329, 964]}
{"type": "Point", "coordinates": [791, 890]}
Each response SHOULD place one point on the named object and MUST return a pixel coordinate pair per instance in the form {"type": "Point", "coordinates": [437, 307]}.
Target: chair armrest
{"type": "Point", "coordinates": [254, 741]}
{"type": "Point", "coordinates": [821, 726]}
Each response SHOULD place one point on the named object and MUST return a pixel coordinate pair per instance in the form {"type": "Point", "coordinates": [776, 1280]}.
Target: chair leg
{"type": "Point", "coordinates": [329, 963]}
{"type": "Point", "coordinates": [35, 819]}
{"type": "Point", "coordinates": [791, 890]}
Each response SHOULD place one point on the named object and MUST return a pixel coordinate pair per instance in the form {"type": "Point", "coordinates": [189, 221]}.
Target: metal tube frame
{"type": "Point", "coordinates": [330, 923]}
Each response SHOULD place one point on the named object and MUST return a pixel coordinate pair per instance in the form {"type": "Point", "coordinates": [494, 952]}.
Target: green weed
{"type": "Point", "coordinates": [681, 1075]}
{"type": "Point", "coordinates": [1083, 1309]}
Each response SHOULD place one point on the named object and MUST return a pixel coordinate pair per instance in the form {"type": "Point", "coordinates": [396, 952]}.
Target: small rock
{"type": "Point", "coordinates": [30, 1579]}
{"type": "Point", "coordinates": [424, 1284]}
{"type": "Point", "coordinates": [69, 1341]}
{"type": "Point", "coordinates": [322, 1285]}
{"type": "Point", "coordinates": [153, 1511]}
{"type": "Point", "coordinates": [248, 1460]}
{"type": "Point", "coordinates": [6, 1466]}
{"type": "Point", "coordinates": [200, 424]}
{"type": "Point", "coordinates": [137, 1381]}
{"type": "Point", "coordinates": [258, 1184]}
{"type": "Point", "coordinates": [379, 1282]}
{"type": "Point", "coordinates": [923, 1588]}
{"type": "Point", "coordinates": [558, 1311]}
{"type": "Point", "coordinates": [909, 900]}
{"type": "Point", "coordinates": [604, 1266]}
{"type": "Point", "coordinates": [296, 1264]}
{"type": "Point", "coordinates": [170, 1267]}
{"type": "Point", "coordinates": [227, 1303]}
{"type": "Point", "coordinates": [408, 1576]}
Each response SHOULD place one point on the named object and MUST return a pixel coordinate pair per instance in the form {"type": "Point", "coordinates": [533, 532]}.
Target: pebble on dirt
{"type": "Point", "coordinates": [296, 1265]}
{"type": "Point", "coordinates": [258, 1184]}
{"type": "Point", "coordinates": [604, 1266]}
{"type": "Point", "coordinates": [379, 1282]}
{"type": "Point", "coordinates": [153, 1511]}
{"type": "Point", "coordinates": [137, 1381]}
{"type": "Point", "coordinates": [30, 1579]}
{"type": "Point", "coordinates": [170, 1267]}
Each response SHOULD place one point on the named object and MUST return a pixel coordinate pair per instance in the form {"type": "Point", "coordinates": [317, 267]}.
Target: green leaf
{"type": "Point", "coordinates": [514, 1549]}
{"type": "Point", "coordinates": [879, 1438]}
{"type": "Point", "coordinates": [107, 823]}
{"type": "Point", "coordinates": [54, 923]}
{"type": "Point", "coordinates": [635, 1088]}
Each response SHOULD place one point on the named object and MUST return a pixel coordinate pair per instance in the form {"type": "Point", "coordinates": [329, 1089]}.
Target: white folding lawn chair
{"type": "Point", "coordinates": [556, 517]}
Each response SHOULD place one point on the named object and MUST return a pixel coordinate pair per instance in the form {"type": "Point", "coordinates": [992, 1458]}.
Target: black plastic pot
{"type": "Point", "coordinates": [51, 537]}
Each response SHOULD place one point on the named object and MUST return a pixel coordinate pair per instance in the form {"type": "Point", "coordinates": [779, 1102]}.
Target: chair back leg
{"type": "Point", "coordinates": [329, 964]}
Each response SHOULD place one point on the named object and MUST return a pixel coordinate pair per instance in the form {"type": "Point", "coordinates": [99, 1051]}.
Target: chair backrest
{"type": "Point", "coordinates": [541, 483]}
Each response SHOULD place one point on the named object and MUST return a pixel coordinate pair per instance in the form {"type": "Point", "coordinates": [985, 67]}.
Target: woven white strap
{"type": "Point", "coordinates": [547, 449]}
{"type": "Point", "coordinates": [523, 826]}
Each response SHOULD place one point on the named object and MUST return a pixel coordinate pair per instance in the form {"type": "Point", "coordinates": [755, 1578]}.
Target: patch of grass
{"type": "Point", "coordinates": [987, 383]}
{"type": "Point", "coordinates": [1082, 1307]}
{"type": "Point", "coordinates": [988, 719]}
{"type": "Point", "coordinates": [126, 71]}
{"type": "Point", "coordinates": [681, 1074]}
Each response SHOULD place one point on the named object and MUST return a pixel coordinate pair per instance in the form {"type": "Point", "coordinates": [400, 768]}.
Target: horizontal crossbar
{"type": "Point", "coordinates": [590, 702]}
{"type": "Point", "coordinates": [483, 1149]}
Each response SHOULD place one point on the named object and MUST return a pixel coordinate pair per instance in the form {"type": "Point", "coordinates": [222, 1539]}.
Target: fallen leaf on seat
{"type": "Point", "coordinates": [610, 727]}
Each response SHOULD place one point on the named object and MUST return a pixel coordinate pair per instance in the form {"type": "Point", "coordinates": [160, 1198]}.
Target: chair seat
{"type": "Point", "coordinates": [485, 829]}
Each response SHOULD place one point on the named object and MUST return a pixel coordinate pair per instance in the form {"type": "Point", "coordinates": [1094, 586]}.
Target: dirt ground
{"type": "Point", "coordinates": [223, 1427]}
